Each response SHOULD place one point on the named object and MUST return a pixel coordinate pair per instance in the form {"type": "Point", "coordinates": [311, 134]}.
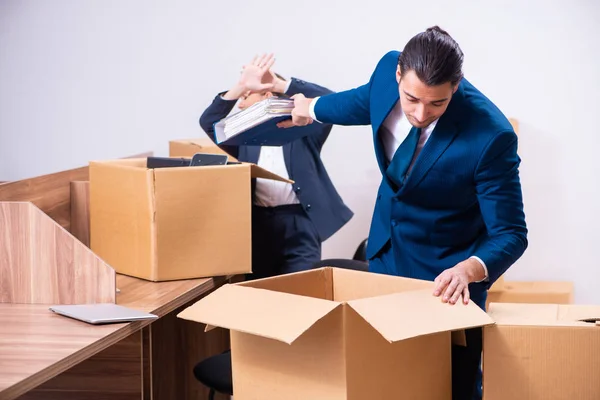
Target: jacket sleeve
{"type": "Point", "coordinates": [353, 107]}
{"type": "Point", "coordinates": [218, 110]}
{"type": "Point", "coordinates": [321, 131]}
{"type": "Point", "coordinates": [501, 202]}
{"type": "Point", "coordinates": [350, 107]}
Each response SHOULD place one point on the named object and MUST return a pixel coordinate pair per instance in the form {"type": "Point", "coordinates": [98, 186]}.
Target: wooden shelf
{"type": "Point", "coordinates": [42, 263]}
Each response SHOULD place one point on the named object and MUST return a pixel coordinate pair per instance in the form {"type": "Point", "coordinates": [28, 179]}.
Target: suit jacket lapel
{"type": "Point", "coordinates": [438, 142]}
{"type": "Point", "coordinates": [287, 156]}
{"type": "Point", "coordinates": [442, 136]}
{"type": "Point", "coordinates": [389, 99]}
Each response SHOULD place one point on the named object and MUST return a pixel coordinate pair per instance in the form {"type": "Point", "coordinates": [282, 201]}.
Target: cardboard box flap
{"type": "Point", "coordinates": [258, 172]}
{"type": "Point", "coordinates": [544, 314]}
{"type": "Point", "coordinates": [274, 315]}
{"type": "Point", "coordinates": [579, 313]}
{"type": "Point", "coordinates": [406, 315]}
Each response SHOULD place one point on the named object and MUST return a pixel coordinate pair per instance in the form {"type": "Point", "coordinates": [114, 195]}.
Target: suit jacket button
{"type": "Point", "coordinates": [394, 222]}
{"type": "Point", "coordinates": [297, 189]}
{"type": "Point", "coordinates": [308, 207]}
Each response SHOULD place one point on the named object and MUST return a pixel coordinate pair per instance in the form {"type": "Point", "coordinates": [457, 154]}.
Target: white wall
{"type": "Point", "coordinates": [83, 80]}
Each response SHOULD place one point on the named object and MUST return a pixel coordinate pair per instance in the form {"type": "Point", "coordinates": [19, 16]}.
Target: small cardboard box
{"type": "Point", "coordinates": [535, 292]}
{"type": "Point", "coordinates": [189, 147]}
{"type": "Point", "coordinates": [542, 352]}
{"type": "Point", "coordinates": [172, 223]}
{"type": "Point", "coordinates": [337, 334]}
{"type": "Point", "coordinates": [498, 285]}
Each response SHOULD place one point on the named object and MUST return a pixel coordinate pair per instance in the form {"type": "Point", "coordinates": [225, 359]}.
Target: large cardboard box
{"type": "Point", "coordinates": [535, 292]}
{"type": "Point", "coordinates": [337, 334]}
{"type": "Point", "coordinates": [189, 147]}
{"type": "Point", "coordinates": [542, 352]}
{"type": "Point", "coordinates": [172, 223]}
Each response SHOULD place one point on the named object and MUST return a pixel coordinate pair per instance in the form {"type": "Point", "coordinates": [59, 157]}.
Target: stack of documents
{"type": "Point", "coordinates": [257, 125]}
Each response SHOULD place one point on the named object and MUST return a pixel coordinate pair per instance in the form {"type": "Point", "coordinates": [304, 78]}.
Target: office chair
{"type": "Point", "coordinates": [361, 251]}
{"type": "Point", "coordinates": [215, 372]}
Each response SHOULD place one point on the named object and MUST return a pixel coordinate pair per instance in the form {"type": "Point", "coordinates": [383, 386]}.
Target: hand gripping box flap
{"type": "Point", "coordinates": [405, 315]}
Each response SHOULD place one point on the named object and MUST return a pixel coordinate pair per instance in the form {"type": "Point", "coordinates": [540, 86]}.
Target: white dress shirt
{"type": "Point", "coordinates": [270, 193]}
{"type": "Point", "coordinates": [397, 129]}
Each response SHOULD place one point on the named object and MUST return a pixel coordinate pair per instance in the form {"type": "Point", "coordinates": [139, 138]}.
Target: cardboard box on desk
{"type": "Point", "coordinates": [189, 147]}
{"type": "Point", "coordinates": [535, 292]}
{"type": "Point", "coordinates": [337, 334]}
{"type": "Point", "coordinates": [542, 351]}
{"type": "Point", "coordinates": [172, 223]}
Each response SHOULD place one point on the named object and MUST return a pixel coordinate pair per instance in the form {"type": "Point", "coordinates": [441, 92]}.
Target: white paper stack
{"type": "Point", "coordinates": [253, 116]}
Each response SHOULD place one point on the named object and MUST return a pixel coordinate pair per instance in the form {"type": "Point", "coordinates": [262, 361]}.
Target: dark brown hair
{"type": "Point", "coordinates": [434, 56]}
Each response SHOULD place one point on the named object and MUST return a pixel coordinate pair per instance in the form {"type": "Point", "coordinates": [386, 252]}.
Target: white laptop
{"type": "Point", "coordinates": [101, 313]}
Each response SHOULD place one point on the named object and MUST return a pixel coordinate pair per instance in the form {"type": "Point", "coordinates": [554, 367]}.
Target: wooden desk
{"type": "Point", "coordinates": [43, 355]}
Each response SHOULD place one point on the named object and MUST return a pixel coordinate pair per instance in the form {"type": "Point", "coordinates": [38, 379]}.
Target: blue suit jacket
{"type": "Point", "coordinates": [312, 184]}
{"type": "Point", "coordinates": [463, 195]}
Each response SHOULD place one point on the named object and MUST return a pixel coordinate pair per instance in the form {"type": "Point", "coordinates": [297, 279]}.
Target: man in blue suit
{"type": "Point", "coordinates": [289, 222]}
{"type": "Point", "coordinates": [449, 208]}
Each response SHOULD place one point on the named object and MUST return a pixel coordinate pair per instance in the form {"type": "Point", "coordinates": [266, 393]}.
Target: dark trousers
{"type": "Point", "coordinates": [466, 360]}
{"type": "Point", "coordinates": [284, 240]}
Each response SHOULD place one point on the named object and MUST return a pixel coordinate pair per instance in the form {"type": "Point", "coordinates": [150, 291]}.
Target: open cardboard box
{"type": "Point", "coordinates": [335, 334]}
{"type": "Point", "coordinates": [532, 292]}
{"type": "Point", "coordinates": [542, 352]}
{"type": "Point", "coordinates": [189, 147]}
{"type": "Point", "coordinates": [172, 223]}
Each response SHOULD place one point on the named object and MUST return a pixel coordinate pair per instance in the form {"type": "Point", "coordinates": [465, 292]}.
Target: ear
{"type": "Point", "coordinates": [268, 94]}
{"type": "Point", "coordinates": [398, 74]}
{"type": "Point", "coordinates": [455, 88]}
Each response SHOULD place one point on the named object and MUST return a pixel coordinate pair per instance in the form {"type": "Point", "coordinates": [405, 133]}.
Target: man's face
{"type": "Point", "coordinates": [420, 103]}
{"type": "Point", "coordinates": [249, 98]}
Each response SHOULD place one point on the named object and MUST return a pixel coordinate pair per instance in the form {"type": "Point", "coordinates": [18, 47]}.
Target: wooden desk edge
{"type": "Point", "coordinates": [190, 295]}
{"type": "Point", "coordinates": [38, 378]}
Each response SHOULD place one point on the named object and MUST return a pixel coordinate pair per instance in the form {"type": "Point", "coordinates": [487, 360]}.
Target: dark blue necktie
{"type": "Point", "coordinates": [397, 169]}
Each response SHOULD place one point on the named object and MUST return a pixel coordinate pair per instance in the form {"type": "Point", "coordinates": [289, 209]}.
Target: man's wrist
{"type": "Point", "coordinates": [280, 86]}
{"type": "Point", "coordinates": [311, 108]}
{"type": "Point", "coordinates": [235, 92]}
{"type": "Point", "coordinates": [475, 270]}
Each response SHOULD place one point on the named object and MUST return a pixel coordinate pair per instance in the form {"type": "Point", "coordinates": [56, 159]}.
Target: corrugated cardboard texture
{"type": "Point", "coordinates": [544, 314]}
{"type": "Point", "coordinates": [317, 283]}
{"type": "Point", "coordinates": [171, 223]}
{"type": "Point", "coordinates": [542, 352]}
{"type": "Point", "coordinates": [336, 341]}
{"type": "Point", "coordinates": [189, 147]}
{"type": "Point", "coordinates": [345, 287]}
{"type": "Point", "coordinates": [417, 368]}
{"type": "Point", "coordinates": [260, 312]}
{"type": "Point", "coordinates": [312, 368]}
{"type": "Point", "coordinates": [121, 216]}
{"type": "Point", "coordinates": [498, 285]}
{"type": "Point", "coordinates": [399, 316]}
{"type": "Point", "coordinates": [536, 292]}
{"type": "Point", "coordinates": [258, 172]}
{"type": "Point", "coordinates": [202, 221]}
